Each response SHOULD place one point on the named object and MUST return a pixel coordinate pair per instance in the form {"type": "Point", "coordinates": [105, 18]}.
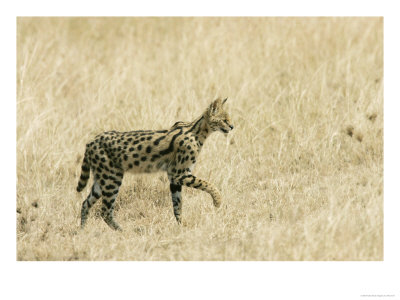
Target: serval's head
{"type": "Point", "coordinates": [217, 118]}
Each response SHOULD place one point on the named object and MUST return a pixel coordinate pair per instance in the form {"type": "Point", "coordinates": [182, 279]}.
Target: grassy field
{"type": "Point", "coordinates": [301, 175]}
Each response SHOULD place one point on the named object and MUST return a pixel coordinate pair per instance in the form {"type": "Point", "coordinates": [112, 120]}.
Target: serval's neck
{"type": "Point", "coordinates": [200, 129]}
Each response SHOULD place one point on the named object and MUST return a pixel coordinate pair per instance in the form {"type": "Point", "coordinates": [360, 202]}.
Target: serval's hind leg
{"type": "Point", "coordinates": [94, 195]}
{"type": "Point", "coordinates": [109, 193]}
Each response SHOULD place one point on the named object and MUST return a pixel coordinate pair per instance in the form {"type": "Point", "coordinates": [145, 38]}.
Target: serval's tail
{"type": "Point", "coordinates": [85, 173]}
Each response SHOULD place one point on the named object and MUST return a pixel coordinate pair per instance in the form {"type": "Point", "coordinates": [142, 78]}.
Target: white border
{"type": "Point", "coordinates": [200, 8]}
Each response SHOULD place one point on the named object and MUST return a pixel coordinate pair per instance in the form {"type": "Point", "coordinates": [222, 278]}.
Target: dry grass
{"type": "Point", "coordinates": [301, 175]}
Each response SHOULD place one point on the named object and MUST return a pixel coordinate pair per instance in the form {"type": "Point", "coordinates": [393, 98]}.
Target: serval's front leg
{"type": "Point", "coordinates": [176, 200]}
{"type": "Point", "coordinates": [197, 183]}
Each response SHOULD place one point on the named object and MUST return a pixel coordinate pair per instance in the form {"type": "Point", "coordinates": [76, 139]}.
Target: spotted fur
{"type": "Point", "coordinates": [174, 151]}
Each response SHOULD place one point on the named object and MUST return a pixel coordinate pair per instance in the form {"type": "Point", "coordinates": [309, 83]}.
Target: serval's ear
{"type": "Point", "coordinates": [214, 107]}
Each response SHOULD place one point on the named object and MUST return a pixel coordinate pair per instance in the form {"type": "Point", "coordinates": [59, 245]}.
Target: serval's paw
{"type": "Point", "coordinates": [217, 202]}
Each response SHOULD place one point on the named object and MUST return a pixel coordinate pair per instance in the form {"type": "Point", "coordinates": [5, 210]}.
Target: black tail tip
{"type": "Point", "coordinates": [80, 186]}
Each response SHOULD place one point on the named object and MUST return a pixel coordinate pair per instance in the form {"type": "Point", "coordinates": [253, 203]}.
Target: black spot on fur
{"type": "Point", "coordinates": [154, 157]}
{"type": "Point", "coordinates": [157, 141]}
{"type": "Point", "coordinates": [80, 187]}
{"type": "Point", "coordinates": [175, 188]}
{"type": "Point", "coordinates": [171, 144]}
{"type": "Point", "coordinates": [106, 203]}
{"type": "Point", "coordinates": [195, 124]}
{"type": "Point", "coordinates": [110, 187]}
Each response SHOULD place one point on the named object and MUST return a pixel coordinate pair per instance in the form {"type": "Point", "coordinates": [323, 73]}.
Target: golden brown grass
{"type": "Point", "coordinates": [301, 174]}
